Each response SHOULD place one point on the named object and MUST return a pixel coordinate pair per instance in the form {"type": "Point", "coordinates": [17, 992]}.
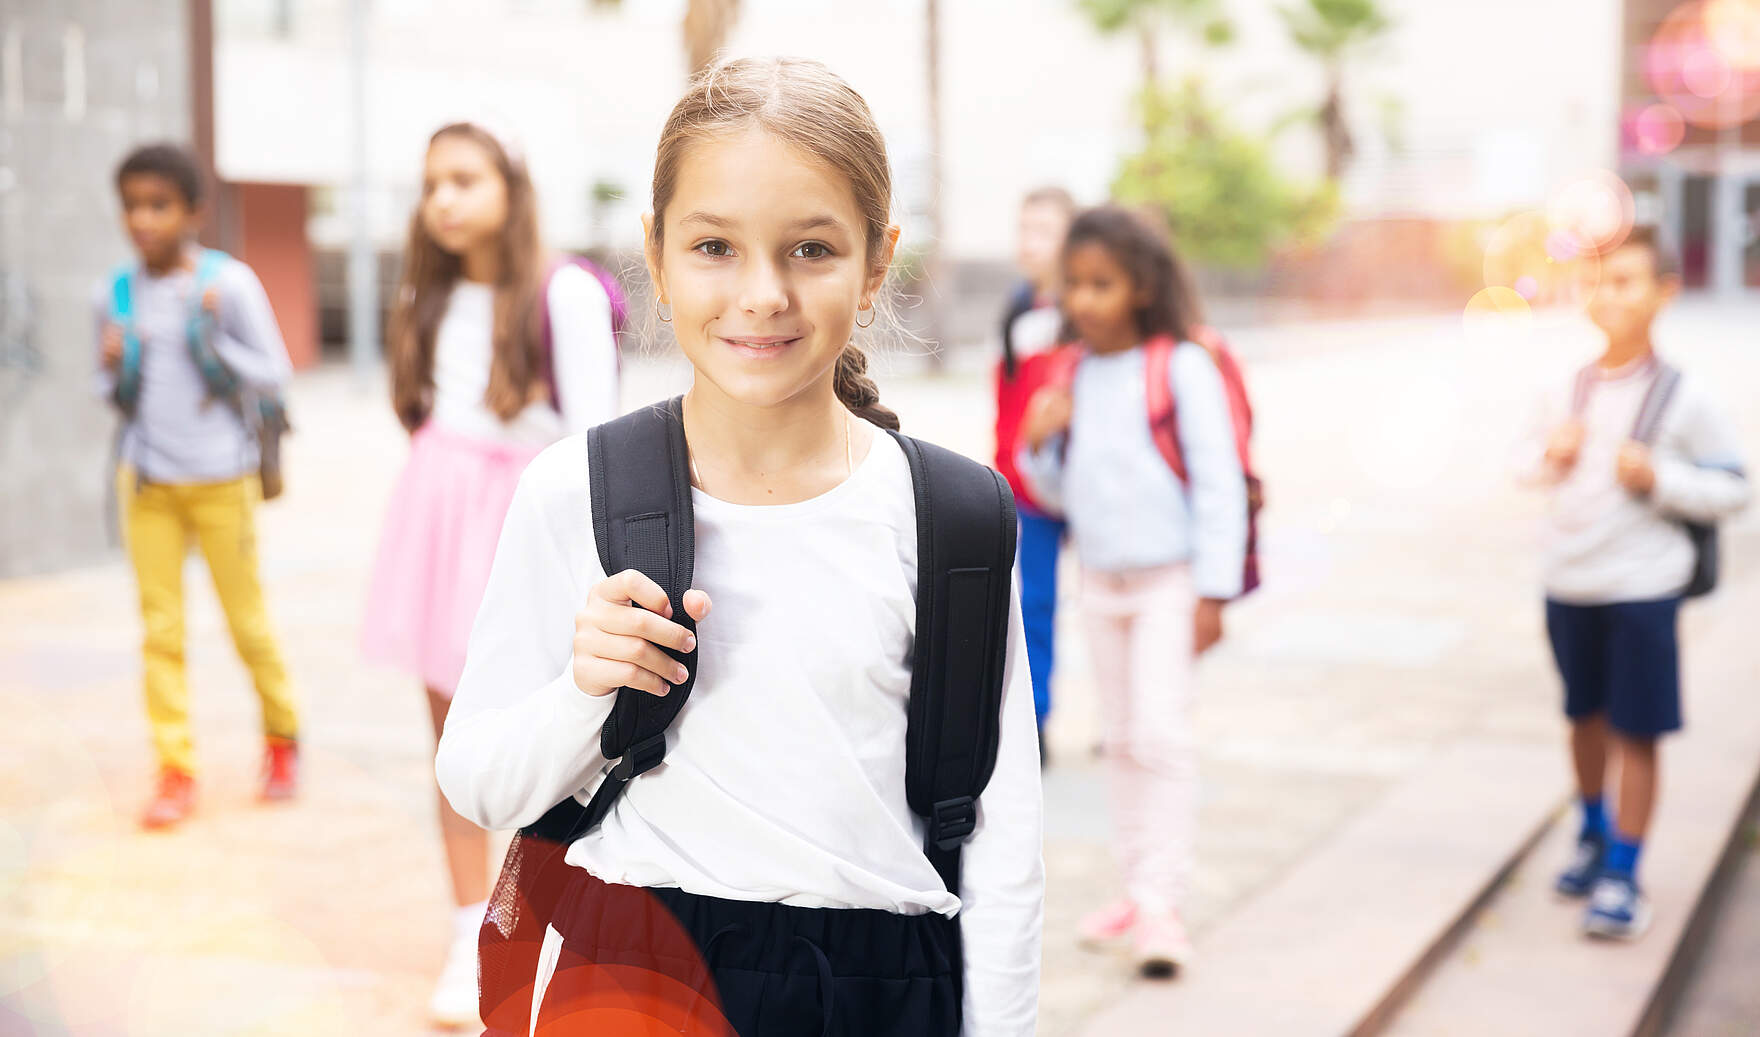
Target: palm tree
{"type": "Point", "coordinates": [705, 28]}
{"type": "Point", "coordinates": [1144, 17]}
{"type": "Point", "coordinates": [707, 24]}
{"type": "Point", "coordinates": [1332, 31]}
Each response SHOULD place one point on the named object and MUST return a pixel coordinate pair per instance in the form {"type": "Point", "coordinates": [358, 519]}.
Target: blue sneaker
{"type": "Point", "coordinates": [1617, 909]}
{"type": "Point", "coordinates": [1578, 880]}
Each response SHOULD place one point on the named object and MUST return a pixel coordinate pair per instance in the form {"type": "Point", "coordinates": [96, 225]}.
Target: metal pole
{"type": "Point", "coordinates": [935, 267]}
{"type": "Point", "coordinates": [363, 279]}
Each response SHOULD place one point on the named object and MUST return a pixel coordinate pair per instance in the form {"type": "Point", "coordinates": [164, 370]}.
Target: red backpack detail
{"type": "Point", "coordinates": [1164, 424]}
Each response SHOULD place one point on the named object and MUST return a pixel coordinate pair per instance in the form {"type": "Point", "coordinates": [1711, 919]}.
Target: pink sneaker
{"type": "Point", "coordinates": [1162, 948]}
{"type": "Point", "coordinates": [1098, 928]}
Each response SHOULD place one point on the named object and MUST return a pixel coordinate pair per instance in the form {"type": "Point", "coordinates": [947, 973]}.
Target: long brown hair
{"type": "Point", "coordinates": [429, 273]}
{"type": "Point", "coordinates": [807, 106]}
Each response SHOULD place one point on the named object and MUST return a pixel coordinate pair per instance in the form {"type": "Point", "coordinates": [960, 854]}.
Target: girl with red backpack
{"type": "Point", "coordinates": [495, 353]}
{"type": "Point", "coordinates": [1137, 445]}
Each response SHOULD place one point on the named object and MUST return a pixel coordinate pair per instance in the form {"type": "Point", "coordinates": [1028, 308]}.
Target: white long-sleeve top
{"type": "Point", "coordinates": [784, 773]}
{"type": "Point", "coordinates": [1602, 543]}
{"type": "Point", "coordinates": [1126, 508]}
{"type": "Point", "coordinates": [585, 362]}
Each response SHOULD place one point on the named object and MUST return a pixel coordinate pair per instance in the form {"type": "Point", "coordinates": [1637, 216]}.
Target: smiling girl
{"type": "Point", "coordinates": [481, 392]}
{"type": "Point", "coordinates": [776, 839]}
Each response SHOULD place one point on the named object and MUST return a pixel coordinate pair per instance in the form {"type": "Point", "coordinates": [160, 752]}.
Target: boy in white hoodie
{"type": "Point", "coordinates": [1630, 452]}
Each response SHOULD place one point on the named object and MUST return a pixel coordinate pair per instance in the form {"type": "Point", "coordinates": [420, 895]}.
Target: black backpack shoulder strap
{"type": "Point", "coordinates": [638, 470]}
{"type": "Point", "coordinates": [638, 476]}
{"type": "Point", "coordinates": [965, 568]}
{"type": "Point", "coordinates": [1649, 420]}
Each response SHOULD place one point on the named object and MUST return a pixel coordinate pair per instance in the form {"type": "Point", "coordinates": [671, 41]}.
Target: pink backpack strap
{"type": "Point", "coordinates": [1163, 408]}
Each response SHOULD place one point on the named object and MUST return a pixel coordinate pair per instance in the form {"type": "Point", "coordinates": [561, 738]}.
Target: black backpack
{"type": "Point", "coordinates": [965, 560]}
{"type": "Point", "coordinates": [1702, 534]}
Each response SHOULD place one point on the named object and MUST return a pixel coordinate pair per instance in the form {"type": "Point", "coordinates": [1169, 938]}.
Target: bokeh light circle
{"type": "Point", "coordinates": [1733, 29]}
{"type": "Point", "coordinates": [1657, 129]}
{"type": "Point", "coordinates": [1596, 209]}
{"type": "Point", "coordinates": [1542, 264]}
{"type": "Point", "coordinates": [1705, 61]}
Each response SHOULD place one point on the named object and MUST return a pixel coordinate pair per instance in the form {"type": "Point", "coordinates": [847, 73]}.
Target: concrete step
{"type": "Point", "coordinates": [1333, 945]}
{"type": "Point", "coordinates": [1522, 966]}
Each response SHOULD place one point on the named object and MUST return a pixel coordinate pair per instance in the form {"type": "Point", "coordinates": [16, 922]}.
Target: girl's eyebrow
{"type": "Point", "coordinates": [799, 226]}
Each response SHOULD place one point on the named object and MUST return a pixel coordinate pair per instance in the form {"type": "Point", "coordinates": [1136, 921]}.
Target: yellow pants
{"type": "Point", "coordinates": [159, 521]}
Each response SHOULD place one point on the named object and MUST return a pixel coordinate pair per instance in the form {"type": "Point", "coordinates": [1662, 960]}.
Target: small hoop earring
{"type": "Point", "coordinates": [871, 317]}
{"type": "Point", "coordinates": [664, 318]}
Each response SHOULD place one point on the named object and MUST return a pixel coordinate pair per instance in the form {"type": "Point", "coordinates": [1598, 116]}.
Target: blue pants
{"type": "Point", "coordinates": [1040, 537]}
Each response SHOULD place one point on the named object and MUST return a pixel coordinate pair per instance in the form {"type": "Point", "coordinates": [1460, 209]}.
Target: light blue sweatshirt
{"type": "Point", "coordinates": [180, 434]}
{"type": "Point", "coordinates": [1126, 508]}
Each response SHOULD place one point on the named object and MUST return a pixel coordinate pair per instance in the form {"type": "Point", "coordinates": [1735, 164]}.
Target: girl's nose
{"type": "Point", "coordinates": [762, 289]}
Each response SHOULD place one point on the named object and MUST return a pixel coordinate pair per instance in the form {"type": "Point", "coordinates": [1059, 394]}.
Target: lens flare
{"type": "Point", "coordinates": [1596, 209]}
{"type": "Point", "coordinates": [1705, 61]}
{"type": "Point", "coordinates": [1496, 315]}
{"type": "Point", "coordinates": [1733, 27]}
{"type": "Point", "coordinates": [1540, 263]}
{"type": "Point", "coordinates": [1657, 129]}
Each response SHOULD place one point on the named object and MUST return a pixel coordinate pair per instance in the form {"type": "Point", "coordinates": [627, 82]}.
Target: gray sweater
{"type": "Point", "coordinates": [180, 434]}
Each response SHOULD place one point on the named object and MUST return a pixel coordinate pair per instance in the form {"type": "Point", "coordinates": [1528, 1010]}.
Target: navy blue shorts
{"type": "Point", "coordinates": [1621, 659]}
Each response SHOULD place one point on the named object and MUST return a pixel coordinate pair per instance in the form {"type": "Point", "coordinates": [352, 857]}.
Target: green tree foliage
{"type": "Point", "coordinates": [1216, 186]}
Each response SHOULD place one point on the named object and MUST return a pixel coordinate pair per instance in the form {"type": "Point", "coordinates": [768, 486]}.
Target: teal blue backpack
{"type": "Point", "coordinates": [267, 420]}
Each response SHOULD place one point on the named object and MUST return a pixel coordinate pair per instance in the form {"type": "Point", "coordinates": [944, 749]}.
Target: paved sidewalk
{"type": "Point", "coordinates": [1401, 612]}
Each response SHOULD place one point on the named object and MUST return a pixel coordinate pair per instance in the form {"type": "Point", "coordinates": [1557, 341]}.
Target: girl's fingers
{"type": "Point", "coordinates": [697, 604]}
{"type": "Point", "coordinates": [623, 620]}
{"type": "Point", "coordinates": [610, 675]}
{"type": "Point", "coordinates": [630, 587]}
{"type": "Point", "coordinates": [637, 652]}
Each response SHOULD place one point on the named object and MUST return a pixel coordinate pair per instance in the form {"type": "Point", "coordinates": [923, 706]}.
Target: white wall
{"type": "Point", "coordinates": [1501, 99]}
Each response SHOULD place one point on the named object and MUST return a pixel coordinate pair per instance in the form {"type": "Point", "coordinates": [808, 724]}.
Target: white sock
{"type": "Point", "coordinates": [469, 918]}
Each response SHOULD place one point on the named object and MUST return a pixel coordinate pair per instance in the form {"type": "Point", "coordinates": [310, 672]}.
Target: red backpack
{"type": "Point", "coordinates": [1164, 419]}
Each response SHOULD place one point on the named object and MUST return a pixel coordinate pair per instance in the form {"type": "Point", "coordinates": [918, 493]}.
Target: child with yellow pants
{"type": "Point", "coordinates": [189, 471]}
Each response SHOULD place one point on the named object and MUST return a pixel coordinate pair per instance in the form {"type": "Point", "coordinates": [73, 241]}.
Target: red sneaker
{"type": "Point", "coordinates": [280, 769]}
{"type": "Point", "coordinates": [172, 801]}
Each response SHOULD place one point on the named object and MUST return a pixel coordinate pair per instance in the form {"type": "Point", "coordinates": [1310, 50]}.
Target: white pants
{"type": "Point", "coordinates": [1139, 626]}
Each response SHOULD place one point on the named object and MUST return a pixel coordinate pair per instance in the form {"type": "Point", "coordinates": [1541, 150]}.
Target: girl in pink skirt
{"type": "Point", "coordinates": [495, 354]}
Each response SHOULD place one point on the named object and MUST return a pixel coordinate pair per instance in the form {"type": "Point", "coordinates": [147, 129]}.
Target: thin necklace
{"type": "Point", "coordinates": [849, 464]}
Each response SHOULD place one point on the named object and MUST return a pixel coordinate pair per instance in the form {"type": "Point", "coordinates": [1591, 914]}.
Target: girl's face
{"type": "Point", "coordinates": [764, 261]}
{"type": "Point", "coordinates": [1101, 298]}
{"type": "Point", "coordinates": [464, 197]}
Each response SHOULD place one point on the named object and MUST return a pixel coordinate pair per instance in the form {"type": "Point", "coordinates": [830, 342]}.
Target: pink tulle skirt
{"type": "Point", "coordinates": [434, 554]}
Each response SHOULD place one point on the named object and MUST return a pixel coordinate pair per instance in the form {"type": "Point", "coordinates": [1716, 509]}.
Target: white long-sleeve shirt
{"type": "Point", "coordinates": [1126, 508]}
{"type": "Point", "coordinates": [1602, 543]}
{"type": "Point", "coordinates": [585, 362]}
{"type": "Point", "coordinates": [784, 773]}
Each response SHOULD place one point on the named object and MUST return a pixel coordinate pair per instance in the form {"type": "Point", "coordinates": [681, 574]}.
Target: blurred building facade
{"type": "Point", "coordinates": [80, 82]}
{"type": "Point", "coordinates": [1690, 133]}
{"type": "Point", "coordinates": [1463, 111]}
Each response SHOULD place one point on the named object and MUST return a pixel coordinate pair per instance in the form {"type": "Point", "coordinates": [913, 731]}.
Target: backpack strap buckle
{"type": "Point", "coordinates": [952, 821]}
{"type": "Point", "coordinates": [641, 757]}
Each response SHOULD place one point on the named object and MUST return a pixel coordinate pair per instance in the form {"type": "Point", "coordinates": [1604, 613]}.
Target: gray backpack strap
{"type": "Point", "coordinates": [1662, 389]}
